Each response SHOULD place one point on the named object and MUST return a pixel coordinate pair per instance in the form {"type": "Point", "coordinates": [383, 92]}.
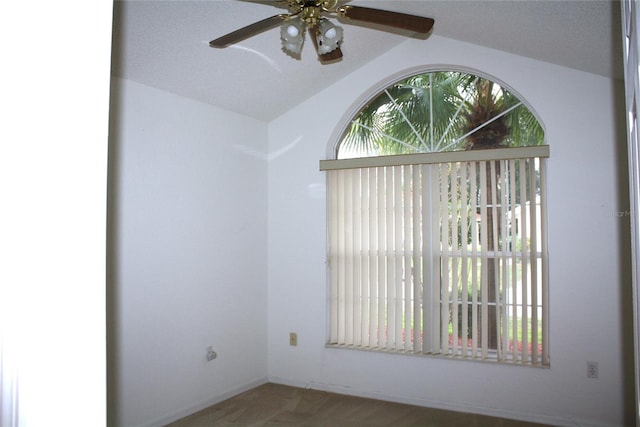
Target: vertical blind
{"type": "Point", "coordinates": [441, 254]}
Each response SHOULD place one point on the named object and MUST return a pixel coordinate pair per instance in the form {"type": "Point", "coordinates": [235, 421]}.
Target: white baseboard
{"type": "Point", "coordinates": [176, 415]}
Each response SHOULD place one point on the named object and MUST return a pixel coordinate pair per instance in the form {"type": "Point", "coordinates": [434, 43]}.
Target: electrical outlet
{"type": "Point", "coordinates": [592, 369]}
{"type": "Point", "coordinates": [293, 339]}
{"type": "Point", "coordinates": [211, 354]}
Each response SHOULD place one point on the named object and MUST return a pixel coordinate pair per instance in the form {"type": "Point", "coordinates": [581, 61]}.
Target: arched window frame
{"type": "Point", "coordinates": [375, 90]}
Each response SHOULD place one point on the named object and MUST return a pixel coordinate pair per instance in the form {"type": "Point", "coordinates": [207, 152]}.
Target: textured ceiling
{"type": "Point", "coordinates": [164, 44]}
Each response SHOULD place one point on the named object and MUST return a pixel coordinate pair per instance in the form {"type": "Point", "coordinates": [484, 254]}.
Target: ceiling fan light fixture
{"type": "Point", "coordinates": [292, 36]}
{"type": "Point", "coordinates": [310, 15]}
{"type": "Point", "coordinates": [329, 36]}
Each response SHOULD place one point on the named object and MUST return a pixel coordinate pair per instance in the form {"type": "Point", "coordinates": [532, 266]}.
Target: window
{"type": "Point", "coordinates": [436, 224]}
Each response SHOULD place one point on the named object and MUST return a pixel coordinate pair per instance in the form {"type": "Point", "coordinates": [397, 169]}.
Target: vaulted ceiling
{"type": "Point", "coordinates": [164, 44]}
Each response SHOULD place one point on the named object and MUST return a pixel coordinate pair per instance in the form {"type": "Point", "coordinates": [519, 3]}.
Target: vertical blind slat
{"type": "Point", "coordinates": [399, 262]}
{"type": "Point", "coordinates": [333, 213]}
{"type": "Point", "coordinates": [464, 203]}
{"type": "Point", "coordinates": [524, 199]}
{"type": "Point", "coordinates": [484, 241]}
{"type": "Point", "coordinates": [515, 237]}
{"type": "Point", "coordinates": [504, 270]}
{"type": "Point", "coordinates": [390, 260]}
{"type": "Point", "coordinates": [373, 258]}
{"type": "Point", "coordinates": [434, 255]}
{"type": "Point", "coordinates": [406, 255]}
{"type": "Point", "coordinates": [427, 267]}
{"type": "Point", "coordinates": [454, 258]}
{"type": "Point", "coordinates": [357, 256]}
{"type": "Point", "coordinates": [363, 325]}
{"type": "Point", "coordinates": [341, 257]}
{"type": "Point", "coordinates": [494, 316]}
{"type": "Point", "coordinates": [348, 259]}
{"type": "Point", "coordinates": [381, 255]}
{"type": "Point", "coordinates": [534, 263]}
{"type": "Point", "coordinates": [416, 329]}
{"type": "Point", "coordinates": [474, 259]}
{"type": "Point", "coordinates": [444, 237]}
{"type": "Point", "coordinates": [544, 258]}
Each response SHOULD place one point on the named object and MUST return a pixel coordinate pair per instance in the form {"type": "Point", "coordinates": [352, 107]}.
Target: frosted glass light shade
{"type": "Point", "coordinates": [329, 37]}
{"type": "Point", "coordinates": [292, 36]}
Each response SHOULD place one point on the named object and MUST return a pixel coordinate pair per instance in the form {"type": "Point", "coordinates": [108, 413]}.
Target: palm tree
{"type": "Point", "coordinates": [488, 128]}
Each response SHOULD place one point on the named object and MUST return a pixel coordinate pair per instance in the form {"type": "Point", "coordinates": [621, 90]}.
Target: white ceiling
{"type": "Point", "coordinates": [164, 44]}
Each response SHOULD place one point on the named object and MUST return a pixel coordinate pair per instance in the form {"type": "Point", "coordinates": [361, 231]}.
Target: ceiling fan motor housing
{"type": "Point", "coordinates": [311, 15]}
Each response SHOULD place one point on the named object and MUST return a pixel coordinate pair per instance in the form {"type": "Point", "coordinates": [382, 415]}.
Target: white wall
{"type": "Point", "coordinates": [188, 241]}
{"type": "Point", "coordinates": [587, 247]}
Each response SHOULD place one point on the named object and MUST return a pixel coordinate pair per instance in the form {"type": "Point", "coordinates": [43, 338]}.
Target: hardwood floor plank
{"type": "Point", "coordinates": [279, 405]}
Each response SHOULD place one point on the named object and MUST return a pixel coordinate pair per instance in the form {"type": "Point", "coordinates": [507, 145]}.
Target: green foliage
{"type": "Point", "coordinates": [438, 111]}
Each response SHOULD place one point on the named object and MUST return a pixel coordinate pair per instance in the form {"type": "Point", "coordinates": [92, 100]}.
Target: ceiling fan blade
{"type": "Point", "coordinates": [248, 31]}
{"type": "Point", "coordinates": [276, 3]}
{"type": "Point", "coordinates": [402, 21]}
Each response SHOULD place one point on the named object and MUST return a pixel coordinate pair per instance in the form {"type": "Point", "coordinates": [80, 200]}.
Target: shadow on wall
{"type": "Point", "coordinates": [112, 292]}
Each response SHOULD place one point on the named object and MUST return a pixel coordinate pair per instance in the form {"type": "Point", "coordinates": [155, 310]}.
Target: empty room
{"type": "Point", "coordinates": [325, 219]}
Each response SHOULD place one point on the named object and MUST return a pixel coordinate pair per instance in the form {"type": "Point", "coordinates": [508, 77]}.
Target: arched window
{"type": "Point", "coordinates": [440, 111]}
{"type": "Point", "coordinates": [437, 223]}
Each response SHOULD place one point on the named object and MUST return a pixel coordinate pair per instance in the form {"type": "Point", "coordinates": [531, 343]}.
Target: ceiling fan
{"type": "Point", "coordinates": [310, 15]}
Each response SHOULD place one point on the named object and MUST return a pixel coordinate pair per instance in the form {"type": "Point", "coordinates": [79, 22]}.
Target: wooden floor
{"type": "Point", "coordinates": [279, 405]}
